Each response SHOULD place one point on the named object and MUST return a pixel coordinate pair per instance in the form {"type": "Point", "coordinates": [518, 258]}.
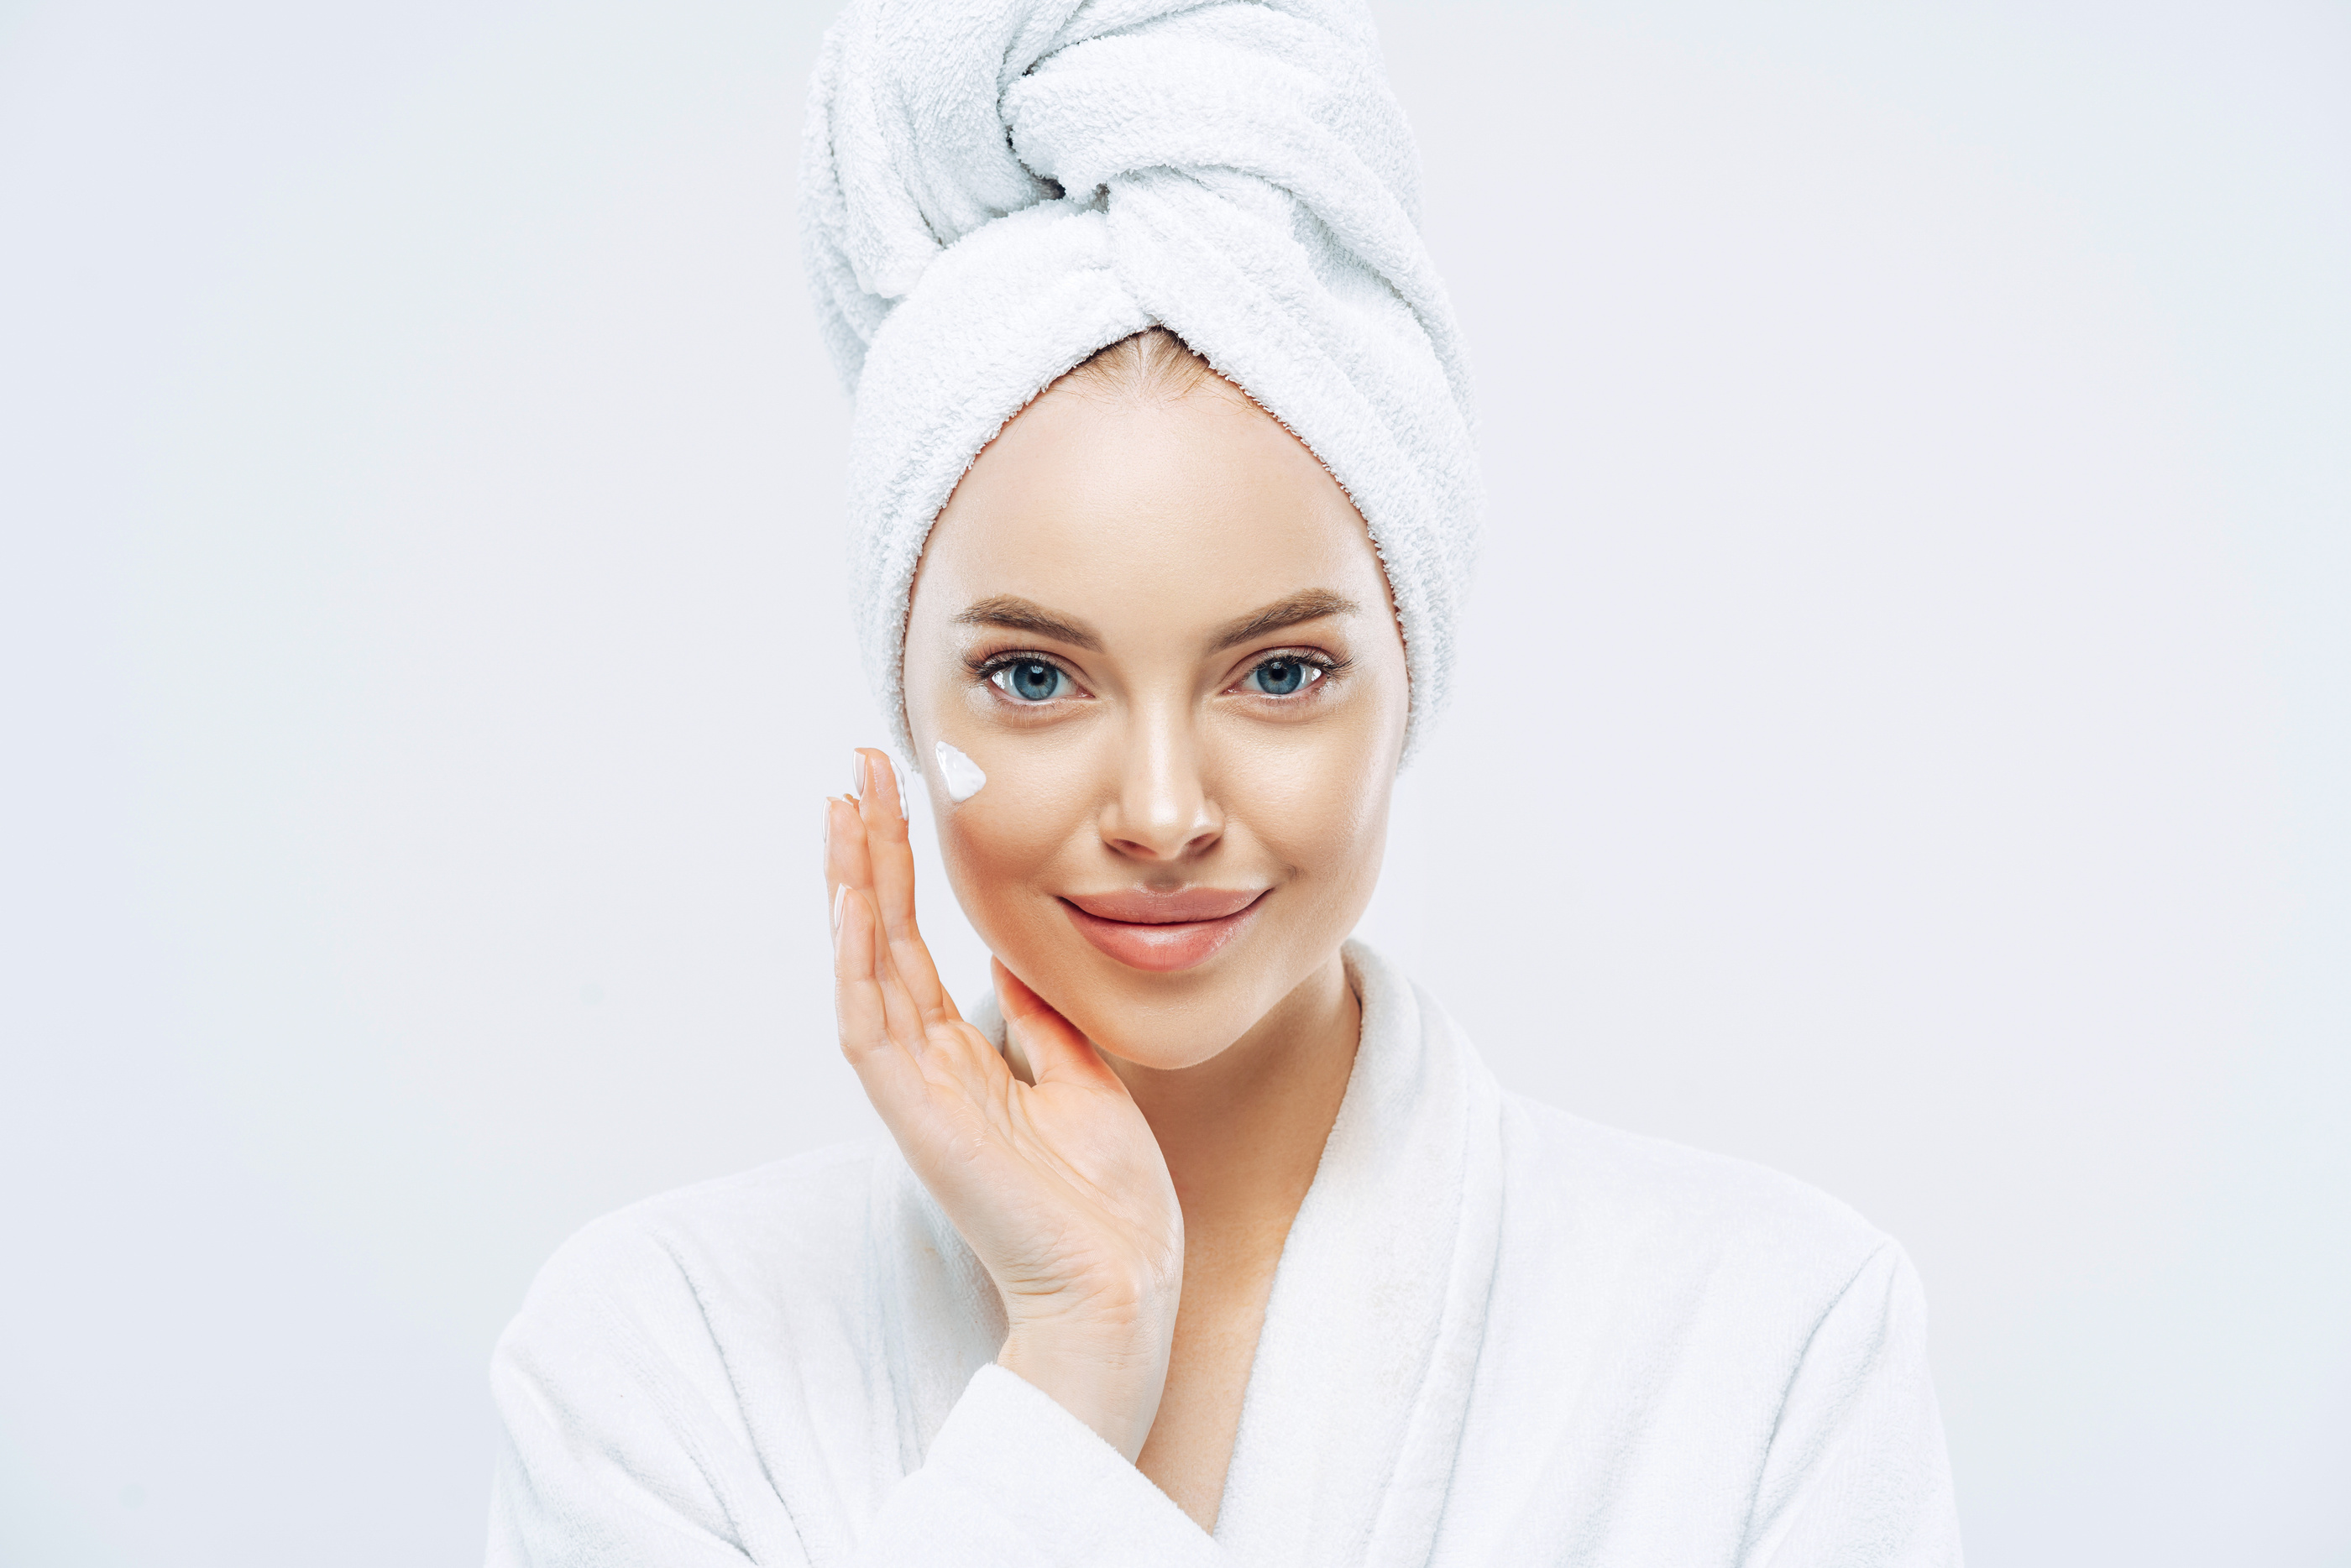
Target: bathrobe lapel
{"type": "Point", "coordinates": [1356, 1399]}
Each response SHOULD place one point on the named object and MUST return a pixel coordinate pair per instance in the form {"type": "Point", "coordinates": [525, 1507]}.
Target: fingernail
{"type": "Point", "coordinates": [898, 776]}
{"type": "Point", "coordinates": [840, 895]}
{"type": "Point", "coordinates": [856, 776]}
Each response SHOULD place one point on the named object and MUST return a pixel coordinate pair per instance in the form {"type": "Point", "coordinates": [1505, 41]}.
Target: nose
{"type": "Point", "coordinates": [1160, 811]}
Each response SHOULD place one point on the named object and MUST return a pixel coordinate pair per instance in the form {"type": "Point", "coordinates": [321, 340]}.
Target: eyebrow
{"type": "Point", "coordinates": [1017, 614]}
{"type": "Point", "coordinates": [1312, 605]}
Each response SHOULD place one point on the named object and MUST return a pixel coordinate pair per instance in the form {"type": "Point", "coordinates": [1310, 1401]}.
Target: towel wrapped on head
{"type": "Point", "coordinates": [995, 190]}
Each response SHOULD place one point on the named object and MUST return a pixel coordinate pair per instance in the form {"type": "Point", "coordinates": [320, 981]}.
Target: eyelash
{"type": "Point", "coordinates": [1321, 665]}
{"type": "Point", "coordinates": [989, 669]}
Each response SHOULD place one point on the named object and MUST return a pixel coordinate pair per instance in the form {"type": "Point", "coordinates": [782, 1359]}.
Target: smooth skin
{"type": "Point", "coordinates": [1159, 626]}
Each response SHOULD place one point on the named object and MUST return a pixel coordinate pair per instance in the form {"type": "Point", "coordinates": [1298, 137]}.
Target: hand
{"type": "Point", "coordinates": [1057, 1185]}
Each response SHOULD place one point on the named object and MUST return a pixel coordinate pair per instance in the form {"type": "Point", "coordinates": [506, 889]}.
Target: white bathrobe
{"type": "Point", "coordinates": [1498, 1336]}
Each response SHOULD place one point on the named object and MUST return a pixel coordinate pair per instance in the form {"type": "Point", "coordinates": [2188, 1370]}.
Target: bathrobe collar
{"type": "Point", "coordinates": [1356, 1401]}
{"type": "Point", "coordinates": [1371, 1339]}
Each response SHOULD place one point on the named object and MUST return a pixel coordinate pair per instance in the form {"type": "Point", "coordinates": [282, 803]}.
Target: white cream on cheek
{"type": "Point", "coordinates": [959, 772]}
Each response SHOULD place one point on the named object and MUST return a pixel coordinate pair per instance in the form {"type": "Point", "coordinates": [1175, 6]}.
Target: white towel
{"type": "Point", "coordinates": [993, 189]}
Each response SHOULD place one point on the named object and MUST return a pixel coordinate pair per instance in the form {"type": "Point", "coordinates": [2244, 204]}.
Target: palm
{"type": "Point", "coordinates": [1057, 1184]}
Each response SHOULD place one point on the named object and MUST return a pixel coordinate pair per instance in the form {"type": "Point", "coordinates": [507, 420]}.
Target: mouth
{"type": "Point", "coordinates": [1163, 932]}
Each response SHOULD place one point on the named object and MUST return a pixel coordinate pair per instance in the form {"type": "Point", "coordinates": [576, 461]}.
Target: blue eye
{"type": "Point", "coordinates": [1029, 681]}
{"type": "Point", "coordinates": [1284, 677]}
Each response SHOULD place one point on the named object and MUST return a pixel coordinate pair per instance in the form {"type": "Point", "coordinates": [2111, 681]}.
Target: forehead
{"type": "Point", "coordinates": [1146, 515]}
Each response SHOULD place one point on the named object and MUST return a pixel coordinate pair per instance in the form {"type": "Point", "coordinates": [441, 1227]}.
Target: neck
{"type": "Point", "coordinates": [1243, 1131]}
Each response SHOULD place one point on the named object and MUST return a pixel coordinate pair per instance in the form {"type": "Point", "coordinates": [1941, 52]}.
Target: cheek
{"type": "Point", "coordinates": [990, 833]}
{"type": "Point", "coordinates": [1002, 841]}
{"type": "Point", "coordinates": [1316, 800]}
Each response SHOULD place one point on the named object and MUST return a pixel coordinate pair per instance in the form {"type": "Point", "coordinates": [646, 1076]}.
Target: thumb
{"type": "Point", "coordinates": [1051, 1043]}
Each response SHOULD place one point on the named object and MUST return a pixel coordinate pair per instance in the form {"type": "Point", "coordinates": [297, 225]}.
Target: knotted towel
{"type": "Point", "coordinates": [994, 190]}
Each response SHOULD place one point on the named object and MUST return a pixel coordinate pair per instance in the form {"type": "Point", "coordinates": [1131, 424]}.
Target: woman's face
{"type": "Point", "coordinates": [1158, 626]}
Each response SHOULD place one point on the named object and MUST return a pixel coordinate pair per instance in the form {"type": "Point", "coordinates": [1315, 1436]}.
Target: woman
{"type": "Point", "coordinates": [1210, 1239]}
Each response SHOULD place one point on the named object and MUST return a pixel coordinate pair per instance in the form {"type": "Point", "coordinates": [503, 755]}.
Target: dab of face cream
{"type": "Point", "coordinates": [959, 773]}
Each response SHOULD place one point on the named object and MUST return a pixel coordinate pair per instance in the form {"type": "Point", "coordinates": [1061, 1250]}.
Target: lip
{"type": "Point", "coordinates": [1163, 932]}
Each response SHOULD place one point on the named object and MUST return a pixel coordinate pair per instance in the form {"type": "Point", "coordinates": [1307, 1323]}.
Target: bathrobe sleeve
{"type": "Point", "coordinates": [1012, 1477]}
{"type": "Point", "coordinates": [627, 1446]}
{"type": "Point", "coordinates": [1856, 1473]}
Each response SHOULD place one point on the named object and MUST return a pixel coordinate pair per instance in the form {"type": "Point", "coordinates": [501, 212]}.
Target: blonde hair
{"type": "Point", "coordinates": [1152, 364]}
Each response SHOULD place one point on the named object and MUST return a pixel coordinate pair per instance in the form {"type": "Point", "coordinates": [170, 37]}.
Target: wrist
{"type": "Point", "coordinates": [1108, 1375]}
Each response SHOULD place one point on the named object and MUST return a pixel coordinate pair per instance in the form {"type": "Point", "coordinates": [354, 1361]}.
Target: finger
{"type": "Point", "coordinates": [874, 776]}
{"type": "Point", "coordinates": [900, 1032]}
{"type": "Point", "coordinates": [858, 1004]}
{"type": "Point", "coordinates": [883, 810]}
{"type": "Point", "coordinates": [863, 960]}
{"type": "Point", "coordinates": [847, 862]}
{"type": "Point", "coordinates": [907, 1021]}
{"type": "Point", "coordinates": [955, 1060]}
{"type": "Point", "coordinates": [882, 814]}
{"type": "Point", "coordinates": [838, 816]}
{"type": "Point", "coordinates": [893, 1078]}
{"type": "Point", "coordinates": [906, 972]}
{"type": "Point", "coordinates": [1051, 1043]}
{"type": "Point", "coordinates": [907, 963]}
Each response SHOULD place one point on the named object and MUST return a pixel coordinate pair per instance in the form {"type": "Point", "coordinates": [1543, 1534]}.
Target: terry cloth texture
{"type": "Point", "coordinates": [1498, 1334]}
{"type": "Point", "coordinates": [993, 189]}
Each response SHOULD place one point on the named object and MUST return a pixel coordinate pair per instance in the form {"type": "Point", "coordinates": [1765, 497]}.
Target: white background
{"type": "Point", "coordinates": [1903, 737]}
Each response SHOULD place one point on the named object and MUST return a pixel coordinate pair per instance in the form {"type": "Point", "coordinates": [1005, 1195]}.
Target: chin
{"type": "Point", "coordinates": [1165, 1021]}
{"type": "Point", "coordinates": [1171, 1036]}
